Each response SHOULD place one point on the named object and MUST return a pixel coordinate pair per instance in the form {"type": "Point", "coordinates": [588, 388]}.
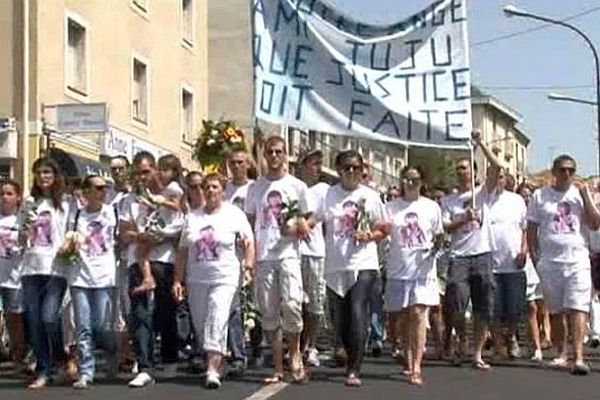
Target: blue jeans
{"type": "Point", "coordinates": [42, 297]}
{"type": "Point", "coordinates": [235, 333]}
{"type": "Point", "coordinates": [93, 314]}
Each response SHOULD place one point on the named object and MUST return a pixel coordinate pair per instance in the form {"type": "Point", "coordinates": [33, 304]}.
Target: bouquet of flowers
{"type": "Point", "coordinates": [215, 142]}
{"type": "Point", "coordinates": [290, 214]}
{"type": "Point", "coordinates": [69, 252]}
{"type": "Point", "coordinates": [250, 311]}
{"type": "Point", "coordinates": [363, 219]}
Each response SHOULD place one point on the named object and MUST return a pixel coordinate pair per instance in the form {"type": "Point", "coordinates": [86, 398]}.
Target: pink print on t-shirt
{"type": "Point", "coordinates": [347, 223]}
{"type": "Point", "coordinates": [206, 245]}
{"type": "Point", "coordinates": [95, 240]}
{"type": "Point", "coordinates": [411, 235]}
{"type": "Point", "coordinates": [564, 221]}
{"type": "Point", "coordinates": [8, 246]}
{"type": "Point", "coordinates": [42, 230]}
{"type": "Point", "coordinates": [272, 212]}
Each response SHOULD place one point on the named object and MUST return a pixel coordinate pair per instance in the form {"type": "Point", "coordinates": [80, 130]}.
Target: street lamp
{"type": "Point", "coordinates": [562, 97]}
{"type": "Point", "coordinates": [512, 11]}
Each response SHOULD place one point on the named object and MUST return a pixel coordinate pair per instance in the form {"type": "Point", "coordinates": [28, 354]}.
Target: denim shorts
{"type": "Point", "coordinates": [471, 277]}
{"type": "Point", "coordinates": [510, 297]}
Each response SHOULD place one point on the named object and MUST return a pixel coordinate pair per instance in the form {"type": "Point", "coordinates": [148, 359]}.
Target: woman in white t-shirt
{"type": "Point", "coordinates": [92, 277]}
{"type": "Point", "coordinates": [10, 267]}
{"type": "Point", "coordinates": [354, 219]}
{"type": "Point", "coordinates": [208, 265]}
{"type": "Point", "coordinates": [412, 287]}
{"type": "Point", "coordinates": [43, 273]}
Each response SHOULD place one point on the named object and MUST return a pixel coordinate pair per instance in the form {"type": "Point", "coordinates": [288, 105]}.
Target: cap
{"type": "Point", "coordinates": [305, 154]}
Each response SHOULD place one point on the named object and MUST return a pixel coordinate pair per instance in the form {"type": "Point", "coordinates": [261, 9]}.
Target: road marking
{"type": "Point", "coordinates": [268, 391]}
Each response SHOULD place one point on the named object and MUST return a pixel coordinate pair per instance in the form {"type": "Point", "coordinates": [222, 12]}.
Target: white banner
{"type": "Point", "coordinates": [406, 82]}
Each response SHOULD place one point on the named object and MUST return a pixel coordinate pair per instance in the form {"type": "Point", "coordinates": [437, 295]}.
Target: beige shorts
{"type": "Point", "coordinates": [279, 294]}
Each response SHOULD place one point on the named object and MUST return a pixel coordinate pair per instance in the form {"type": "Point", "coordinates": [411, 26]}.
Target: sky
{"type": "Point", "coordinates": [523, 70]}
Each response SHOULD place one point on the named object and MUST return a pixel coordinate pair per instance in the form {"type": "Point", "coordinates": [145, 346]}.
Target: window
{"type": "Point", "coordinates": [139, 102]}
{"type": "Point", "coordinates": [187, 16]}
{"type": "Point", "coordinates": [187, 115]}
{"type": "Point", "coordinates": [76, 68]}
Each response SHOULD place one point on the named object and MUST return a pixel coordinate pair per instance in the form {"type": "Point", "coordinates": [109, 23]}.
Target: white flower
{"type": "Point", "coordinates": [236, 139]}
{"type": "Point", "coordinates": [210, 142]}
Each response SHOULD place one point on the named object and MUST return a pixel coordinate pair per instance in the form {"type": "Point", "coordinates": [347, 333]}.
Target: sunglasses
{"type": "Point", "coordinates": [569, 170]}
{"type": "Point", "coordinates": [352, 168]}
{"type": "Point", "coordinates": [196, 186]}
{"type": "Point", "coordinates": [411, 180]}
{"type": "Point", "coordinates": [100, 187]}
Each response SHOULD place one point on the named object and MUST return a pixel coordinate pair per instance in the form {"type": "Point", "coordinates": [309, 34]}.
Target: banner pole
{"type": "Point", "coordinates": [472, 159]}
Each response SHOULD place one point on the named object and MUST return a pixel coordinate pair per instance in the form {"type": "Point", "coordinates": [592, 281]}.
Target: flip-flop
{"type": "Point", "coordinates": [481, 365]}
{"type": "Point", "coordinates": [416, 379]}
{"type": "Point", "coordinates": [276, 378]}
{"type": "Point", "coordinates": [353, 381]}
{"type": "Point", "coordinates": [299, 376]}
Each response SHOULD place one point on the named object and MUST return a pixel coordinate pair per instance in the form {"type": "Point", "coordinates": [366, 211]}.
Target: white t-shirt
{"type": "Point", "coordinates": [507, 221]}
{"type": "Point", "coordinates": [96, 232]}
{"type": "Point", "coordinates": [236, 195]}
{"type": "Point", "coordinates": [211, 244]}
{"type": "Point", "coordinates": [339, 214]}
{"type": "Point", "coordinates": [473, 238]}
{"type": "Point", "coordinates": [315, 246]}
{"type": "Point", "coordinates": [265, 201]}
{"type": "Point", "coordinates": [138, 213]}
{"type": "Point", "coordinates": [46, 236]}
{"type": "Point", "coordinates": [414, 227]}
{"type": "Point", "coordinates": [10, 252]}
{"type": "Point", "coordinates": [561, 233]}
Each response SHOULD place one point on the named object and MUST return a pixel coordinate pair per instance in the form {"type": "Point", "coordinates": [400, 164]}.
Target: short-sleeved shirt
{"type": "Point", "coordinates": [315, 246]}
{"type": "Point", "coordinates": [344, 256]}
{"type": "Point", "coordinates": [414, 226]}
{"type": "Point", "coordinates": [472, 238]}
{"type": "Point", "coordinates": [561, 231]}
{"type": "Point", "coordinates": [10, 252]}
{"type": "Point", "coordinates": [210, 240]}
{"type": "Point", "coordinates": [236, 195]}
{"type": "Point", "coordinates": [507, 222]}
{"type": "Point", "coordinates": [96, 233]}
{"type": "Point", "coordinates": [266, 200]}
{"type": "Point", "coordinates": [46, 236]}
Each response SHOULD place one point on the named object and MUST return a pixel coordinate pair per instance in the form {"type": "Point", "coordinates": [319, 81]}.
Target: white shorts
{"type": "Point", "coordinates": [313, 284]}
{"type": "Point", "coordinates": [566, 286]}
{"type": "Point", "coordinates": [534, 292]}
{"type": "Point", "coordinates": [400, 294]}
{"type": "Point", "coordinates": [279, 294]}
{"type": "Point", "coordinates": [210, 307]}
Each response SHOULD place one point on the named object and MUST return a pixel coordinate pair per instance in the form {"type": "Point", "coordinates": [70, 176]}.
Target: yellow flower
{"type": "Point", "coordinates": [211, 168]}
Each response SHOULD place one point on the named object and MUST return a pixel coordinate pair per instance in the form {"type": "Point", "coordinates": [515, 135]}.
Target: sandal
{"type": "Point", "coordinates": [407, 372]}
{"type": "Point", "coordinates": [558, 362]}
{"type": "Point", "coordinates": [481, 365]}
{"type": "Point", "coordinates": [353, 381]}
{"type": "Point", "coordinates": [416, 379]}
{"type": "Point", "coordinates": [300, 376]}
{"type": "Point", "coordinates": [276, 378]}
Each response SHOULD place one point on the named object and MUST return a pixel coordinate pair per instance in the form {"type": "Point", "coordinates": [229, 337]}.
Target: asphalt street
{"type": "Point", "coordinates": [512, 380]}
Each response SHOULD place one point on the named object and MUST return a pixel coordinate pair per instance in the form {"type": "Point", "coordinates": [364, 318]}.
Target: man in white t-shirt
{"type": "Point", "coordinates": [558, 217]}
{"type": "Point", "coordinates": [467, 219]}
{"type": "Point", "coordinates": [271, 199]}
{"type": "Point", "coordinates": [313, 256]}
{"type": "Point", "coordinates": [236, 192]}
{"type": "Point", "coordinates": [508, 222]}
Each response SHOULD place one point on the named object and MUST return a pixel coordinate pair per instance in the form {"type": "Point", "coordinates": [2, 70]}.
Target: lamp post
{"type": "Point", "coordinates": [512, 11]}
{"type": "Point", "coordinates": [562, 97]}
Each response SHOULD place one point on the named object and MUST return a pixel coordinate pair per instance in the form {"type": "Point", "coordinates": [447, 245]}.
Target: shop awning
{"type": "Point", "coordinates": [76, 166]}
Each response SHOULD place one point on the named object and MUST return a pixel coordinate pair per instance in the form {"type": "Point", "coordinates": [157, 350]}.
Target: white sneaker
{"type": "Point", "coordinates": [141, 380]}
{"type": "Point", "coordinates": [313, 359]}
{"type": "Point", "coordinates": [83, 383]}
{"type": "Point", "coordinates": [135, 369]}
{"type": "Point", "coordinates": [213, 381]}
{"type": "Point", "coordinates": [538, 356]}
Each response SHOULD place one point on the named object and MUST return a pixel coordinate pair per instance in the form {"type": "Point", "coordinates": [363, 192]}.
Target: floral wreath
{"type": "Point", "coordinates": [216, 142]}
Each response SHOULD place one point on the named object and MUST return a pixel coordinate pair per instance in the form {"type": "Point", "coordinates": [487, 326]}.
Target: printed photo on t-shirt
{"type": "Point", "coordinates": [347, 223]}
{"type": "Point", "coordinates": [564, 220]}
{"type": "Point", "coordinates": [42, 230]}
{"type": "Point", "coordinates": [207, 245]}
{"type": "Point", "coordinates": [95, 240]}
{"type": "Point", "coordinates": [239, 202]}
{"type": "Point", "coordinates": [411, 235]}
{"type": "Point", "coordinates": [8, 243]}
{"type": "Point", "coordinates": [272, 211]}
